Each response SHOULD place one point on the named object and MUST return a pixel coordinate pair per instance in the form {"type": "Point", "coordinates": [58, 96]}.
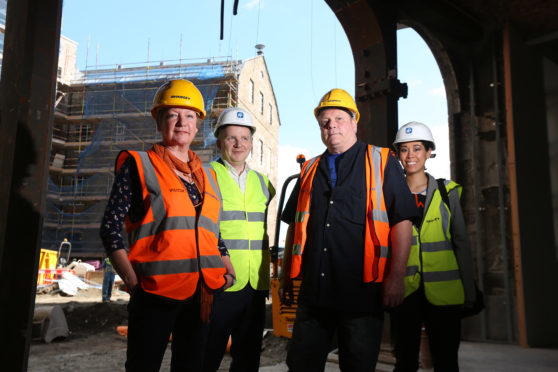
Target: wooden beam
{"type": "Point", "coordinates": [515, 230]}
{"type": "Point", "coordinates": [371, 28]}
{"type": "Point", "coordinates": [27, 92]}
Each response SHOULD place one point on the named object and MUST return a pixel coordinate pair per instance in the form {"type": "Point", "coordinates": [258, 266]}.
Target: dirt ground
{"type": "Point", "coordinates": [94, 344]}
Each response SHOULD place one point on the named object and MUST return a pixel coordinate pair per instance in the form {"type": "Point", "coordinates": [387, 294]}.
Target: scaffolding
{"type": "Point", "coordinates": [107, 110]}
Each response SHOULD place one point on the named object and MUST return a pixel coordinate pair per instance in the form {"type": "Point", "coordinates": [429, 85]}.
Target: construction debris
{"type": "Point", "coordinates": [49, 323]}
{"type": "Point", "coordinates": [69, 284]}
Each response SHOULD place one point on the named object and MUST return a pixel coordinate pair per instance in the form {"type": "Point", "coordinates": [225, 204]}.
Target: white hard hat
{"type": "Point", "coordinates": [414, 131]}
{"type": "Point", "coordinates": [234, 116]}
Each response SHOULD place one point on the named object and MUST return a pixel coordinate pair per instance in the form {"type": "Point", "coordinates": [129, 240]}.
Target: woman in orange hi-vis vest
{"type": "Point", "coordinates": [171, 208]}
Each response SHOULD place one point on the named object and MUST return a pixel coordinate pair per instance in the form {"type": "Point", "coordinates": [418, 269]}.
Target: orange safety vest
{"type": "Point", "coordinates": [170, 247]}
{"type": "Point", "coordinates": [376, 239]}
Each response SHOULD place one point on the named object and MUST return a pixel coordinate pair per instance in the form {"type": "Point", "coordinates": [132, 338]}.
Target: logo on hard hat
{"type": "Point", "coordinates": [408, 130]}
{"type": "Point", "coordinates": [183, 97]}
{"type": "Point", "coordinates": [239, 115]}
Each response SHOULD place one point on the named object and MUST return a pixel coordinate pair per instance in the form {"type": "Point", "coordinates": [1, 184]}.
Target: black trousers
{"type": "Point", "coordinates": [358, 335]}
{"type": "Point", "coordinates": [151, 320]}
{"type": "Point", "coordinates": [240, 315]}
{"type": "Point", "coordinates": [443, 327]}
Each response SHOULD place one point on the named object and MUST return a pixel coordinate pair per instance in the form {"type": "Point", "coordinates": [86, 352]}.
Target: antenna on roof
{"type": "Point", "coordinates": [260, 48]}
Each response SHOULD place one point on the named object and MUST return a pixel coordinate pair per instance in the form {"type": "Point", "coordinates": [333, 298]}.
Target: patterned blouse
{"type": "Point", "coordinates": [125, 199]}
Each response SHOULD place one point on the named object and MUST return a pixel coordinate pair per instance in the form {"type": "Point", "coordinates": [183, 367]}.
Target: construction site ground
{"type": "Point", "coordinates": [94, 344]}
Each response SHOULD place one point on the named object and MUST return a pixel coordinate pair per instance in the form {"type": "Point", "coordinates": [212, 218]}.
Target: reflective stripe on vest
{"type": "Point", "coordinates": [440, 270]}
{"type": "Point", "coordinates": [243, 227]}
{"type": "Point", "coordinates": [413, 273]}
{"type": "Point", "coordinates": [168, 248]}
{"type": "Point", "coordinates": [376, 242]}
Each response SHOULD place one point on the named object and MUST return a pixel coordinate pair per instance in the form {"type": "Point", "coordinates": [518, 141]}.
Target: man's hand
{"type": "Point", "coordinates": [393, 291]}
{"type": "Point", "coordinates": [394, 282]}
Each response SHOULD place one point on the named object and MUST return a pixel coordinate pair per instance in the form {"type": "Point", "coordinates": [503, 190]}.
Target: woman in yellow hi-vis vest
{"type": "Point", "coordinates": [439, 279]}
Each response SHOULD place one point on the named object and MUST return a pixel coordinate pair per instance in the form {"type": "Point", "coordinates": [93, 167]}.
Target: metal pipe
{"type": "Point", "coordinates": [235, 7]}
{"type": "Point", "coordinates": [222, 18]}
{"type": "Point", "coordinates": [501, 209]}
{"type": "Point", "coordinates": [474, 160]}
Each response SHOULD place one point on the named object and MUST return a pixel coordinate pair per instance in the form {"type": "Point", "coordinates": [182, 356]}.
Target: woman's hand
{"type": "Point", "coordinates": [230, 275]}
{"type": "Point", "coordinates": [123, 267]}
{"type": "Point", "coordinates": [230, 279]}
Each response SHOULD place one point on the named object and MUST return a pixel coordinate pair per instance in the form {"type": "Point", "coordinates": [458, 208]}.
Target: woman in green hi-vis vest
{"type": "Point", "coordinates": [439, 279]}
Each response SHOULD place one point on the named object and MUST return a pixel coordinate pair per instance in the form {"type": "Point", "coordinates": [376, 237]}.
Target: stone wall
{"type": "Point", "coordinates": [254, 84]}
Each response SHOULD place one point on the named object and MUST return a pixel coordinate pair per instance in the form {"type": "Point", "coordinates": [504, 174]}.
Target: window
{"type": "Point", "coordinates": [251, 91]}
{"type": "Point", "coordinates": [261, 151]}
{"type": "Point", "coordinates": [261, 103]}
{"type": "Point", "coordinates": [270, 114]}
{"type": "Point", "coordinates": [261, 74]}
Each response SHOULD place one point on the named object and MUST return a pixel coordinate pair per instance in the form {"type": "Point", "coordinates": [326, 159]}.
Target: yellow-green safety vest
{"type": "Point", "coordinates": [432, 258]}
{"type": "Point", "coordinates": [244, 228]}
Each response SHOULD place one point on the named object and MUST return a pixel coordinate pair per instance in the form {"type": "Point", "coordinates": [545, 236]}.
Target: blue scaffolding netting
{"type": "Point", "coordinates": [113, 108]}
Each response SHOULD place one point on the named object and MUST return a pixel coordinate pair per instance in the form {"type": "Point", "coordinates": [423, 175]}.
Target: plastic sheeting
{"type": "Point", "coordinates": [114, 106]}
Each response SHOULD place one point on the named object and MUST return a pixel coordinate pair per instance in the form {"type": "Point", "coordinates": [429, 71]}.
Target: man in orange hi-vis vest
{"type": "Point", "coordinates": [350, 218]}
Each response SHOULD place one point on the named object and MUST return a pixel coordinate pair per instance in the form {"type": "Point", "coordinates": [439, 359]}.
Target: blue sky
{"type": "Point", "coordinates": [307, 54]}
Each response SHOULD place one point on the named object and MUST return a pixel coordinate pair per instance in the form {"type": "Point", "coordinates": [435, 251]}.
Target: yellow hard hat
{"type": "Point", "coordinates": [338, 98]}
{"type": "Point", "coordinates": [178, 93]}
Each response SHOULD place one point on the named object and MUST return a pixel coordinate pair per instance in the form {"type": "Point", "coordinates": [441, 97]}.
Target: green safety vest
{"type": "Point", "coordinates": [432, 258]}
{"type": "Point", "coordinates": [244, 228]}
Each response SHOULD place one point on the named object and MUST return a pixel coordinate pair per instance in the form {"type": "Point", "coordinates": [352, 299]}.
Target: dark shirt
{"type": "Point", "coordinates": [126, 199]}
{"type": "Point", "coordinates": [333, 256]}
{"type": "Point", "coordinates": [420, 199]}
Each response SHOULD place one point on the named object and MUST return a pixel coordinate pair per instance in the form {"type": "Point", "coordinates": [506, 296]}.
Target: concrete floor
{"type": "Point", "coordinates": [479, 357]}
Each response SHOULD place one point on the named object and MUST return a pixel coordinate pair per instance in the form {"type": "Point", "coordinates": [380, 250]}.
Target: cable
{"type": "Point", "coordinates": [335, 53]}
{"type": "Point", "coordinates": [258, 27]}
{"type": "Point", "coordinates": [311, 47]}
{"type": "Point", "coordinates": [231, 28]}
